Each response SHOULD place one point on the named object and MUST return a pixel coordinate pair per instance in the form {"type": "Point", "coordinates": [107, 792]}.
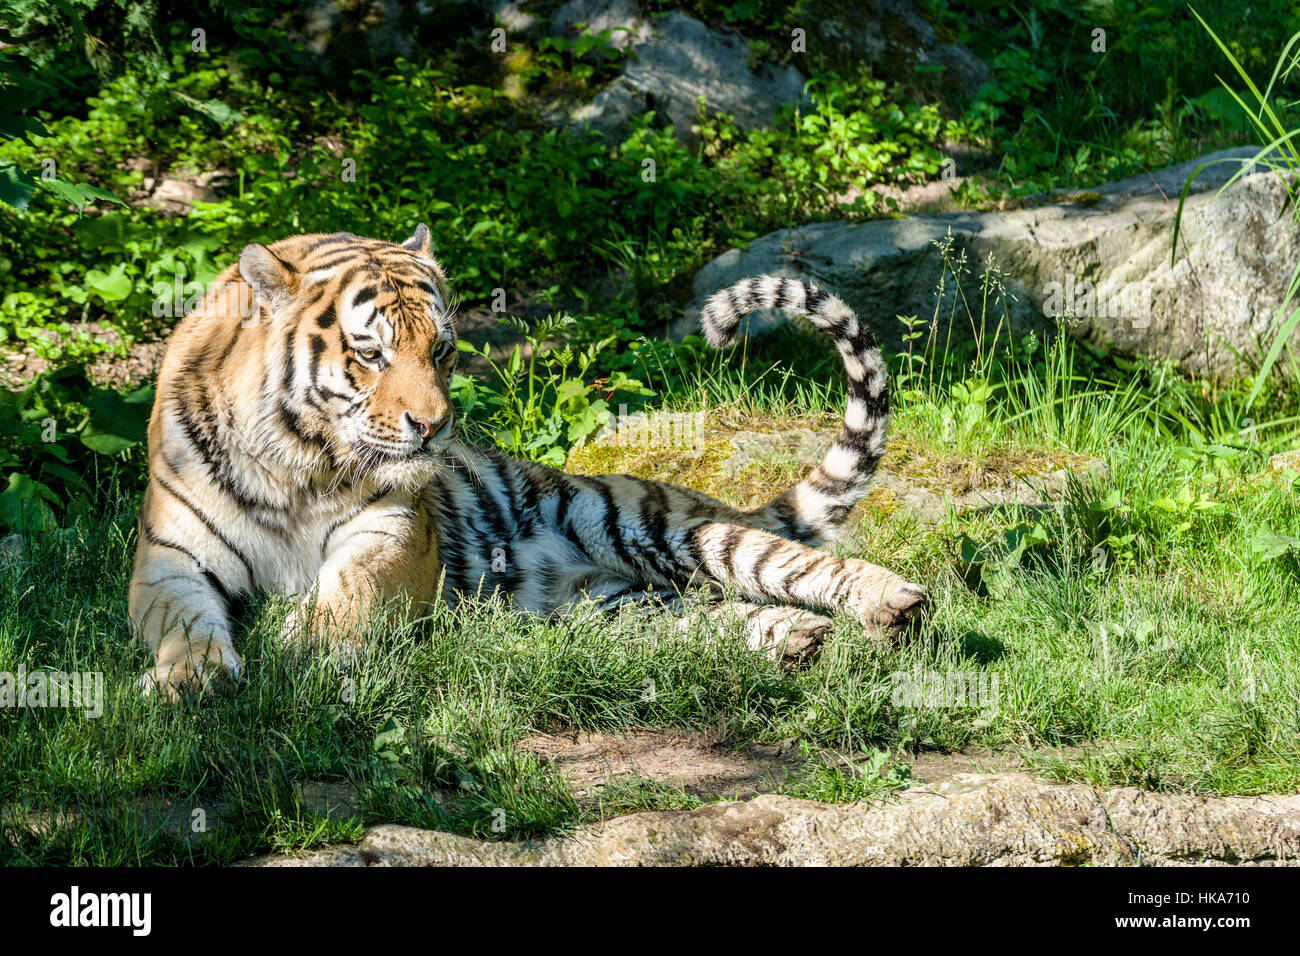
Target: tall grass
{"type": "Point", "coordinates": [1280, 153]}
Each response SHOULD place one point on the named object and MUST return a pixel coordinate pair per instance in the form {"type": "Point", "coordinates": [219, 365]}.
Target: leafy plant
{"type": "Point", "coordinates": [1270, 545]}
{"type": "Point", "coordinates": [541, 403]}
{"type": "Point", "coordinates": [979, 563]}
{"type": "Point", "coordinates": [832, 777]}
{"type": "Point", "coordinates": [59, 437]}
{"type": "Point", "coordinates": [1187, 506]}
{"type": "Point", "coordinates": [18, 83]}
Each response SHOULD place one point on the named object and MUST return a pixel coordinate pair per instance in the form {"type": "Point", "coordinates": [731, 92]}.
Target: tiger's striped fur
{"type": "Point", "coordinates": [305, 445]}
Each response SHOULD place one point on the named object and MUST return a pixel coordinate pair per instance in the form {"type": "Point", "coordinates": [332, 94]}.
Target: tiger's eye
{"type": "Point", "coordinates": [368, 355]}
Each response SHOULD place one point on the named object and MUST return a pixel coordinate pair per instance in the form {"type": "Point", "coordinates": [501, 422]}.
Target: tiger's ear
{"type": "Point", "coordinates": [419, 242]}
{"type": "Point", "coordinates": [269, 276]}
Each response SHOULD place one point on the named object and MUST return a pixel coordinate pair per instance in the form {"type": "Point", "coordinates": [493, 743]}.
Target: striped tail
{"type": "Point", "coordinates": [815, 509]}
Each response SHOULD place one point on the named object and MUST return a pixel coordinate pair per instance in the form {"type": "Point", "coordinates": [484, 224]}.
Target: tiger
{"type": "Point", "coordinates": [303, 441]}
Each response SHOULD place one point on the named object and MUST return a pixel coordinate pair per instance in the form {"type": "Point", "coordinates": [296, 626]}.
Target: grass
{"type": "Point", "coordinates": [1170, 663]}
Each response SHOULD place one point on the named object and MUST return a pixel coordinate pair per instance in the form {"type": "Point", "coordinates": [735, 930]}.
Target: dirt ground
{"type": "Point", "coordinates": [706, 769]}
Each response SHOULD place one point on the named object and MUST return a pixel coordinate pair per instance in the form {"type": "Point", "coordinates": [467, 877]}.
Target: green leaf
{"type": "Point", "coordinates": [16, 187]}
{"type": "Point", "coordinates": [115, 424]}
{"type": "Point", "coordinates": [95, 192]}
{"type": "Point", "coordinates": [17, 126]}
{"type": "Point", "coordinates": [220, 113]}
{"type": "Point", "coordinates": [65, 191]}
{"type": "Point", "coordinates": [114, 285]}
{"type": "Point", "coordinates": [1022, 538]}
{"type": "Point", "coordinates": [1109, 502]}
{"type": "Point", "coordinates": [571, 388]}
{"type": "Point", "coordinates": [79, 195]}
{"type": "Point", "coordinates": [23, 504]}
{"type": "Point", "coordinates": [1268, 545]}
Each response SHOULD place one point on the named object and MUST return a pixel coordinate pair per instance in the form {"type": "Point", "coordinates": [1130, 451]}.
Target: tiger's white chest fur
{"type": "Point", "coordinates": [282, 531]}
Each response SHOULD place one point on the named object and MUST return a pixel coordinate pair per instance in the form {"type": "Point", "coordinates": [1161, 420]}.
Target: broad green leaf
{"type": "Point", "coordinates": [25, 504]}
{"type": "Point", "coordinates": [16, 187]}
{"type": "Point", "coordinates": [114, 285]}
{"type": "Point", "coordinates": [1269, 545]}
{"type": "Point", "coordinates": [115, 424]}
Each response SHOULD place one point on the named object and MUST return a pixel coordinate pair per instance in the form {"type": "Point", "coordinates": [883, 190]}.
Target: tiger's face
{"type": "Point", "coordinates": [368, 348]}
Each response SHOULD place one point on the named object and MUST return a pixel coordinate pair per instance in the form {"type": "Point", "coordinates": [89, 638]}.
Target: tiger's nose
{"type": "Point", "coordinates": [424, 427]}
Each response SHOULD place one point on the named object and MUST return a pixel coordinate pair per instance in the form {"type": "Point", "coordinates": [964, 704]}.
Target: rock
{"type": "Point", "coordinates": [334, 31]}
{"type": "Point", "coordinates": [1032, 484]}
{"type": "Point", "coordinates": [672, 445]}
{"type": "Point", "coordinates": [1236, 251]}
{"type": "Point", "coordinates": [179, 195]}
{"type": "Point", "coordinates": [12, 546]}
{"type": "Point", "coordinates": [674, 64]}
{"type": "Point", "coordinates": [338, 37]}
{"type": "Point", "coordinates": [803, 446]}
{"type": "Point", "coordinates": [1281, 464]}
{"type": "Point", "coordinates": [678, 59]}
{"type": "Point", "coordinates": [1010, 819]}
{"type": "Point", "coordinates": [1034, 488]}
{"type": "Point", "coordinates": [622, 18]}
{"type": "Point", "coordinates": [511, 15]}
{"type": "Point", "coordinates": [894, 39]}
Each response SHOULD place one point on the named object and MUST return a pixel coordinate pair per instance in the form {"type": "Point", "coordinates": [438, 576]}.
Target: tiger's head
{"type": "Point", "coordinates": [360, 349]}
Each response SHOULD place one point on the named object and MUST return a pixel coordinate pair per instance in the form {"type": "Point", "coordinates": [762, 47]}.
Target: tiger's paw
{"type": "Point", "coordinates": [301, 633]}
{"type": "Point", "coordinates": [805, 640]}
{"type": "Point", "coordinates": [896, 612]}
{"type": "Point", "coordinates": [788, 635]}
{"type": "Point", "coordinates": [211, 669]}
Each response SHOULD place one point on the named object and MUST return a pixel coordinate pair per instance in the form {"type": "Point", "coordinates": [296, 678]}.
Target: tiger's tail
{"type": "Point", "coordinates": [815, 509]}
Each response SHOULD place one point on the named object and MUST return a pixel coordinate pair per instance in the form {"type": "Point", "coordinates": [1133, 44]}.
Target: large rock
{"type": "Point", "coordinates": [622, 18]}
{"type": "Point", "coordinates": [894, 39]}
{"type": "Point", "coordinates": [967, 820]}
{"type": "Point", "coordinates": [341, 34]}
{"type": "Point", "coordinates": [746, 467]}
{"type": "Point", "coordinates": [1236, 250]}
{"type": "Point", "coordinates": [676, 61]}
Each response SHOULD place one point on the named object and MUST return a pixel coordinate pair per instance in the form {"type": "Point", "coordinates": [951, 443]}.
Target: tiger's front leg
{"type": "Point", "coordinates": [764, 567]}
{"type": "Point", "coordinates": [186, 626]}
{"type": "Point", "coordinates": [388, 551]}
{"type": "Point", "coordinates": [179, 601]}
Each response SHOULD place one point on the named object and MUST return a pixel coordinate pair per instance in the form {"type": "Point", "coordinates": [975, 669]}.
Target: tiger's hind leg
{"type": "Point", "coordinates": [764, 567]}
{"type": "Point", "coordinates": [659, 535]}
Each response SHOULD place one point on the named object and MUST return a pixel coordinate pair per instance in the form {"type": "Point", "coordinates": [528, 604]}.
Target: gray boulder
{"type": "Point", "coordinates": [895, 40]}
{"type": "Point", "coordinates": [676, 61]}
{"type": "Point", "coordinates": [338, 34]}
{"type": "Point", "coordinates": [622, 18]}
{"type": "Point", "coordinates": [1097, 262]}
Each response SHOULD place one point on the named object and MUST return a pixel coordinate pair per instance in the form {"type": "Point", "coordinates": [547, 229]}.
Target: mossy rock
{"type": "Point", "coordinates": [747, 466]}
